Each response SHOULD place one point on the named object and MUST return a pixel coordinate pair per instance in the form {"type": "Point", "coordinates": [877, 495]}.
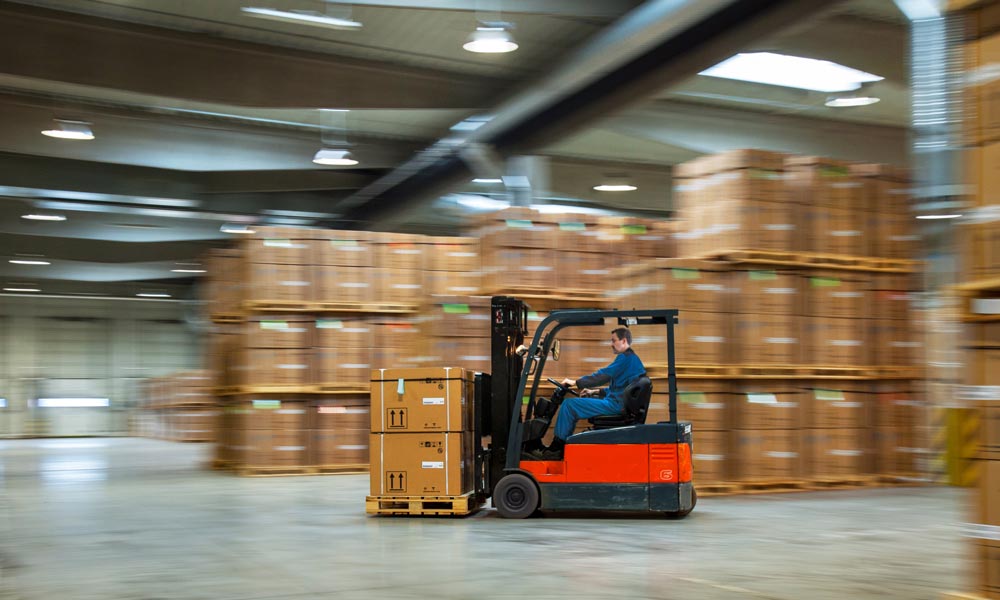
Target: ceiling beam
{"type": "Point", "coordinates": [569, 8]}
{"type": "Point", "coordinates": [83, 50]}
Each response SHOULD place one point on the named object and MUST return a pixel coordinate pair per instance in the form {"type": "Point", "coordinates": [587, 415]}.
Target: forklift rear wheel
{"type": "Point", "coordinates": [683, 513]}
{"type": "Point", "coordinates": [516, 496]}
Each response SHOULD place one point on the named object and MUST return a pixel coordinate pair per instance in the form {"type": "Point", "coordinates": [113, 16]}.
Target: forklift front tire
{"type": "Point", "coordinates": [516, 496]}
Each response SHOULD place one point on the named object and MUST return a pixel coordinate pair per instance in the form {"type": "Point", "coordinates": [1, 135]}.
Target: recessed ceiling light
{"type": "Point", "coordinates": [241, 229]}
{"type": "Point", "coordinates": [21, 289]}
{"type": "Point", "coordinates": [27, 261]}
{"type": "Point", "coordinates": [44, 217]}
{"type": "Point", "coordinates": [487, 180]}
{"type": "Point", "coordinates": [491, 39]}
{"type": "Point", "coordinates": [70, 130]}
{"type": "Point", "coordinates": [153, 295]}
{"type": "Point", "coordinates": [332, 157]}
{"type": "Point", "coordinates": [481, 202]}
{"type": "Point", "coordinates": [615, 187]}
{"type": "Point", "coordinates": [931, 217]}
{"type": "Point", "coordinates": [851, 101]}
{"type": "Point", "coordinates": [188, 271]}
{"type": "Point", "coordinates": [791, 71]}
{"type": "Point", "coordinates": [301, 18]}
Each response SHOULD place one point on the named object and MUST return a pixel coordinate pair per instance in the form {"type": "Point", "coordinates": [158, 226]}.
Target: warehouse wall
{"type": "Point", "coordinates": [58, 347]}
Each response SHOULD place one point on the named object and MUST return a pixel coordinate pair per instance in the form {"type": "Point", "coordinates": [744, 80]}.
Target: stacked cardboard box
{"type": "Point", "coordinates": [277, 265]}
{"type": "Point", "coordinates": [835, 332]}
{"type": "Point", "coordinates": [421, 432]}
{"type": "Point", "coordinates": [838, 441]}
{"type": "Point", "coordinates": [264, 431]}
{"type": "Point", "coordinates": [768, 430]}
{"type": "Point", "coordinates": [708, 405]}
{"type": "Point", "coordinates": [456, 330]}
{"type": "Point", "coordinates": [830, 199]}
{"type": "Point", "coordinates": [887, 211]}
{"type": "Point", "coordinates": [180, 407]}
{"type": "Point", "coordinates": [767, 328]}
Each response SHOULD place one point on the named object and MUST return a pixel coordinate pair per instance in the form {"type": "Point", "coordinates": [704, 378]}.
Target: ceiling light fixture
{"type": "Point", "coordinates": [487, 180]}
{"type": "Point", "coordinates": [333, 136]}
{"type": "Point", "coordinates": [616, 182]}
{"type": "Point", "coordinates": [334, 157]}
{"type": "Point", "coordinates": [66, 129]}
{"type": "Point", "coordinates": [34, 217]}
{"type": "Point", "coordinates": [480, 202]}
{"type": "Point", "coordinates": [302, 17]}
{"type": "Point", "coordinates": [933, 217]}
{"type": "Point", "coordinates": [236, 228]}
{"type": "Point", "coordinates": [21, 289]}
{"type": "Point", "coordinates": [791, 71]}
{"type": "Point", "coordinates": [188, 271]}
{"type": "Point", "coordinates": [848, 101]}
{"type": "Point", "coordinates": [491, 38]}
{"type": "Point", "coordinates": [153, 295]}
{"type": "Point", "coordinates": [25, 261]}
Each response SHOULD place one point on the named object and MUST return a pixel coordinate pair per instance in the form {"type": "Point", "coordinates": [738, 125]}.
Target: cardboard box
{"type": "Point", "coordinates": [988, 494]}
{"type": "Point", "coordinates": [839, 405]}
{"type": "Point", "coordinates": [422, 399]}
{"type": "Point", "coordinates": [458, 254]}
{"type": "Point", "coordinates": [988, 568]}
{"type": "Point", "coordinates": [819, 181]}
{"type": "Point", "coordinates": [339, 446]}
{"type": "Point", "coordinates": [896, 343]}
{"type": "Point", "coordinates": [505, 268]}
{"type": "Point", "coordinates": [711, 456]}
{"type": "Point", "coordinates": [345, 284]}
{"type": "Point", "coordinates": [739, 159]}
{"type": "Point", "coordinates": [268, 412]}
{"type": "Point", "coordinates": [275, 448]}
{"type": "Point", "coordinates": [982, 366]}
{"type": "Point", "coordinates": [462, 316]}
{"type": "Point", "coordinates": [453, 283]}
{"type": "Point", "coordinates": [767, 339]}
{"type": "Point", "coordinates": [337, 331]}
{"type": "Point", "coordinates": [706, 404]}
{"type": "Point", "coordinates": [340, 366]}
{"type": "Point", "coordinates": [278, 245]}
{"type": "Point", "coordinates": [690, 285]}
{"type": "Point", "coordinates": [272, 366]}
{"type": "Point", "coordinates": [274, 282]}
{"type": "Point", "coordinates": [837, 230]}
{"type": "Point", "coordinates": [897, 452]}
{"type": "Point", "coordinates": [897, 405]}
{"type": "Point", "coordinates": [896, 235]}
{"type": "Point", "coordinates": [837, 452]}
{"type": "Point", "coordinates": [421, 464]}
{"type": "Point", "coordinates": [582, 271]}
{"type": "Point", "coordinates": [761, 291]}
{"type": "Point", "coordinates": [277, 331]}
{"type": "Point", "coordinates": [835, 342]}
{"type": "Point", "coordinates": [762, 404]}
{"type": "Point", "coordinates": [982, 99]}
{"type": "Point", "coordinates": [400, 334]}
{"type": "Point", "coordinates": [345, 248]}
{"type": "Point", "coordinates": [518, 229]}
{"type": "Point", "coordinates": [702, 338]}
{"type": "Point", "coordinates": [830, 293]}
{"type": "Point", "coordinates": [401, 251]}
{"type": "Point", "coordinates": [399, 286]}
{"type": "Point", "coordinates": [471, 353]}
{"type": "Point", "coordinates": [768, 455]}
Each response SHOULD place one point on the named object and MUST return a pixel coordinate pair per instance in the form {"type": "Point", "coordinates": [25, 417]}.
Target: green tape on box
{"type": "Point", "coordinates": [691, 397]}
{"type": "Point", "coordinates": [572, 226]}
{"type": "Point", "coordinates": [685, 273]}
{"type": "Point", "coordinates": [525, 399]}
{"type": "Point", "coordinates": [824, 282]}
{"type": "Point", "coordinates": [532, 314]}
{"type": "Point", "coordinates": [828, 171]}
{"type": "Point", "coordinates": [329, 324]}
{"type": "Point", "coordinates": [829, 395]}
{"type": "Point", "coordinates": [633, 229]}
{"type": "Point", "coordinates": [762, 275]}
{"type": "Point", "coordinates": [267, 404]}
{"type": "Point", "coordinates": [763, 174]}
{"type": "Point", "coordinates": [522, 223]}
{"type": "Point", "coordinates": [274, 325]}
{"type": "Point", "coordinates": [456, 309]}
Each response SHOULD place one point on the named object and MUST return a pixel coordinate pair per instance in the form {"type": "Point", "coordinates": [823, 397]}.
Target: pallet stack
{"type": "Point", "coordinates": [179, 408]}
{"type": "Point", "coordinates": [422, 459]}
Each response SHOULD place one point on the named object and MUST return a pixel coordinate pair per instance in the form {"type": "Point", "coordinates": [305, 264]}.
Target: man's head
{"type": "Point", "coordinates": [621, 340]}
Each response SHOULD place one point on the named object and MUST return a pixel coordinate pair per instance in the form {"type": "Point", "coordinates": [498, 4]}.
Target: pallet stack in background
{"type": "Point", "coordinates": [179, 407]}
{"type": "Point", "coordinates": [422, 459]}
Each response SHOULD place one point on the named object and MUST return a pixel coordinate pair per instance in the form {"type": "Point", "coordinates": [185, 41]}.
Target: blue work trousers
{"type": "Point", "coordinates": [574, 409]}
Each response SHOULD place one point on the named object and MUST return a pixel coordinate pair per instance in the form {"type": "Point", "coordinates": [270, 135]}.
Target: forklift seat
{"type": "Point", "coordinates": [637, 396]}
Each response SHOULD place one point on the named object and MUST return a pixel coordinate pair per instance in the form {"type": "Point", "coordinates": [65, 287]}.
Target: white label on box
{"type": "Point", "coordinates": [986, 306]}
{"type": "Point", "coordinates": [782, 454]}
{"type": "Point", "coordinates": [536, 268]}
{"type": "Point", "coordinates": [291, 366]}
{"type": "Point", "coordinates": [845, 452]}
{"type": "Point", "coordinates": [762, 398]}
{"type": "Point", "coordinates": [347, 248]}
{"type": "Point", "coordinates": [771, 340]}
{"type": "Point", "coordinates": [406, 286]}
{"type": "Point", "coordinates": [779, 290]}
{"type": "Point", "coordinates": [846, 294]}
{"type": "Point", "coordinates": [846, 404]}
{"type": "Point", "coordinates": [294, 283]}
{"type": "Point", "coordinates": [332, 410]}
{"type": "Point", "coordinates": [595, 271]}
{"type": "Point", "coordinates": [845, 233]}
{"type": "Point", "coordinates": [978, 392]}
{"type": "Point", "coordinates": [289, 448]}
{"type": "Point", "coordinates": [708, 287]}
{"type": "Point", "coordinates": [845, 343]}
{"type": "Point", "coordinates": [329, 324]}
{"type": "Point", "coordinates": [708, 339]}
{"type": "Point", "coordinates": [432, 464]}
{"type": "Point", "coordinates": [708, 405]}
{"type": "Point", "coordinates": [904, 238]}
{"type": "Point", "coordinates": [406, 251]}
{"type": "Point", "coordinates": [352, 447]}
{"type": "Point", "coordinates": [290, 411]}
{"type": "Point", "coordinates": [709, 457]}
{"type": "Point", "coordinates": [462, 254]}
{"type": "Point", "coordinates": [478, 358]}
{"type": "Point", "coordinates": [779, 227]}
{"type": "Point", "coordinates": [785, 404]}
{"type": "Point", "coordinates": [905, 344]}
{"type": "Point", "coordinates": [353, 285]}
{"type": "Point", "coordinates": [282, 244]}
{"type": "Point", "coordinates": [476, 317]}
{"type": "Point", "coordinates": [434, 401]}
{"type": "Point", "coordinates": [355, 366]}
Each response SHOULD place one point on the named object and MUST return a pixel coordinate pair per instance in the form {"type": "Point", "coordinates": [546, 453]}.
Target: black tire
{"type": "Point", "coordinates": [516, 497]}
{"type": "Point", "coordinates": [683, 513]}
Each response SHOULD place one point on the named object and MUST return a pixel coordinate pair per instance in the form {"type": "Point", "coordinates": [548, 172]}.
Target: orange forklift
{"type": "Point", "coordinates": [621, 463]}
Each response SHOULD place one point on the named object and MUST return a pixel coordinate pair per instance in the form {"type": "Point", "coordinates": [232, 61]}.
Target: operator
{"type": "Point", "coordinates": [623, 370]}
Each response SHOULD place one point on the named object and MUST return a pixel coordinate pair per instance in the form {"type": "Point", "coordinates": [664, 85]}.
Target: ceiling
{"type": "Point", "coordinates": [204, 116]}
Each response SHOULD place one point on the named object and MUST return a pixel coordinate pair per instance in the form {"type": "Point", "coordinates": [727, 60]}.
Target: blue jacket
{"type": "Point", "coordinates": [622, 371]}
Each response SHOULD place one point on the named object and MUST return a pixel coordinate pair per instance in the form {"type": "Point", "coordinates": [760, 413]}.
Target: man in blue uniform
{"type": "Point", "coordinates": [622, 371]}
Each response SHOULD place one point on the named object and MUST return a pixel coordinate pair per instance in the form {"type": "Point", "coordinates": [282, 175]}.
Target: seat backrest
{"type": "Point", "coordinates": [637, 396]}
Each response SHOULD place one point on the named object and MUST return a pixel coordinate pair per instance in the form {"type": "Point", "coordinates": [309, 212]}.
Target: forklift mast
{"type": "Point", "coordinates": [509, 325]}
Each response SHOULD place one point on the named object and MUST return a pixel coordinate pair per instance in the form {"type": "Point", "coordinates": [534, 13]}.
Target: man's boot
{"type": "Point", "coordinates": [555, 450]}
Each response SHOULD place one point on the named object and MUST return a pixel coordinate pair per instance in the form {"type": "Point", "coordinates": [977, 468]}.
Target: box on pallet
{"type": "Point", "coordinates": [339, 429]}
{"type": "Point", "coordinates": [980, 246]}
{"type": "Point", "coordinates": [766, 339]}
{"type": "Point", "coordinates": [271, 366]}
{"type": "Point", "coordinates": [278, 246]}
{"type": "Point", "coordinates": [690, 285]}
{"type": "Point", "coordinates": [706, 404]}
{"type": "Point", "coordinates": [453, 283]}
{"type": "Point", "coordinates": [835, 341]}
{"type": "Point", "coordinates": [831, 293]}
{"type": "Point", "coordinates": [763, 404]}
{"type": "Point", "coordinates": [356, 285]}
{"type": "Point", "coordinates": [421, 464]}
{"type": "Point", "coordinates": [837, 452]}
{"type": "Point", "coordinates": [819, 181]}
{"type": "Point", "coordinates": [983, 99]}
{"type": "Point", "coordinates": [989, 567]}
{"type": "Point", "coordinates": [450, 316]}
{"type": "Point", "coordinates": [711, 456]}
{"type": "Point", "coordinates": [582, 271]}
{"type": "Point", "coordinates": [278, 283]}
{"type": "Point", "coordinates": [401, 251]}
{"type": "Point", "coordinates": [421, 399]}
{"type": "Point", "coordinates": [516, 228]}
{"type": "Point", "coordinates": [504, 268]}
{"type": "Point", "coordinates": [400, 334]}
{"type": "Point", "coordinates": [768, 454]}
{"type": "Point", "coordinates": [278, 331]}
{"type": "Point", "coordinates": [763, 291]}
{"type": "Point", "coordinates": [470, 353]}
{"type": "Point", "coordinates": [223, 282]}
{"type": "Point", "coordinates": [719, 225]}
{"type": "Point", "coordinates": [457, 254]}
{"type": "Point", "coordinates": [895, 343]}
{"type": "Point", "coordinates": [833, 404]}
{"type": "Point", "coordinates": [987, 508]}
{"type": "Point", "coordinates": [399, 286]}
{"type": "Point", "coordinates": [702, 338]}
{"type": "Point", "coordinates": [345, 248]}
{"type": "Point", "coordinates": [342, 366]}
{"type": "Point", "coordinates": [343, 332]}
{"type": "Point", "coordinates": [836, 230]}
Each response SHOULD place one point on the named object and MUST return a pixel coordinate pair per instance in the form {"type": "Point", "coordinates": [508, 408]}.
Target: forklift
{"type": "Point", "coordinates": [620, 464]}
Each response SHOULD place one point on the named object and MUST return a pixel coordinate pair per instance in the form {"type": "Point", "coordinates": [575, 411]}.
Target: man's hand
{"type": "Point", "coordinates": [570, 383]}
{"type": "Point", "coordinates": [522, 350]}
{"type": "Point", "coordinates": [591, 392]}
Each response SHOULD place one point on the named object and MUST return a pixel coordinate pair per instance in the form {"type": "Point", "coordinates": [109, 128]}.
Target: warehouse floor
{"type": "Point", "coordinates": [143, 520]}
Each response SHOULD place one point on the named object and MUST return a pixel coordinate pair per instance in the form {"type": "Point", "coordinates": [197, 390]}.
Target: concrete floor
{"type": "Point", "coordinates": [143, 520]}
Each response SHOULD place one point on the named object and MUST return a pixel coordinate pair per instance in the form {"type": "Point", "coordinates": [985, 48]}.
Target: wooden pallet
{"type": "Point", "coordinates": [226, 318]}
{"type": "Point", "coordinates": [278, 306]}
{"type": "Point", "coordinates": [961, 596]}
{"type": "Point", "coordinates": [297, 471]}
{"type": "Point", "coordinates": [845, 482]}
{"type": "Point", "coordinates": [342, 388]}
{"type": "Point", "coordinates": [341, 469]}
{"type": "Point", "coordinates": [775, 486]}
{"type": "Point", "coordinates": [242, 390]}
{"type": "Point", "coordinates": [706, 490]}
{"type": "Point", "coordinates": [365, 307]}
{"type": "Point", "coordinates": [422, 505]}
{"type": "Point", "coordinates": [658, 371]}
{"type": "Point", "coordinates": [902, 479]}
{"type": "Point", "coordinates": [813, 260]}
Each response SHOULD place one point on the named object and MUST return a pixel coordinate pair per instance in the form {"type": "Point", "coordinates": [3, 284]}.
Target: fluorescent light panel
{"type": "Point", "coordinates": [3, 403]}
{"type": "Point", "coordinates": [301, 18]}
{"type": "Point", "coordinates": [934, 217]}
{"type": "Point", "coordinates": [73, 402]}
{"type": "Point", "coordinates": [188, 271]}
{"type": "Point", "coordinates": [152, 295]}
{"type": "Point", "coordinates": [21, 289]}
{"type": "Point", "coordinates": [615, 187]}
{"type": "Point", "coordinates": [34, 217]}
{"type": "Point", "coordinates": [791, 71]}
{"type": "Point", "coordinates": [25, 261]}
{"type": "Point", "coordinates": [487, 180]}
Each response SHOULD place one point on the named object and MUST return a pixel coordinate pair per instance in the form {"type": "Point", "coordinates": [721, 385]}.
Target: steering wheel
{"type": "Point", "coordinates": [561, 386]}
